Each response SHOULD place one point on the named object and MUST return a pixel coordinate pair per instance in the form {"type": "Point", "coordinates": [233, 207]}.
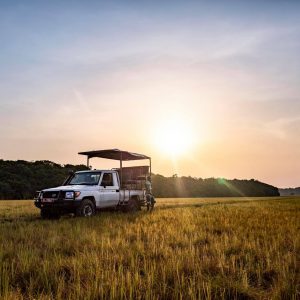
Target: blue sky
{"type": "Point", "coordinates": [88, 75]}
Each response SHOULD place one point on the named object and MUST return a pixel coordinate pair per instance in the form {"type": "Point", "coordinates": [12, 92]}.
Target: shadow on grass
{"type": "Point", "coordinates": [26, 218]}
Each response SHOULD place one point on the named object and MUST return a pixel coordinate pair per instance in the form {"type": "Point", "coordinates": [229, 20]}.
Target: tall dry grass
{"type": "Point", "coordinates": [232, 248]}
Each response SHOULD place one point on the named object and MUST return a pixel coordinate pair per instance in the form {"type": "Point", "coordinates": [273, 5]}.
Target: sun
{"type": "Point", "coordinates": [174, 137]}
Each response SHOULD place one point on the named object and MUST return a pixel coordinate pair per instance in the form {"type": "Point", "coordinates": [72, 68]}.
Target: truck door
{"type": "Point", "coordinates": [109, 189]}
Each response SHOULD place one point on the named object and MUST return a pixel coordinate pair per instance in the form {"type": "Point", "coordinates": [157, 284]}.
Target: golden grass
{"type": "Point", "coordinates": [213, 248]}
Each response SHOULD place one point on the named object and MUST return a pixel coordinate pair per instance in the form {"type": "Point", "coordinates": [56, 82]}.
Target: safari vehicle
{"type": "Point", "coordinates": [85, 192]}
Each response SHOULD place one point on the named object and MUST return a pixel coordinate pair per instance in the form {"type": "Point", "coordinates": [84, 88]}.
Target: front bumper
{"type": "Point", "coordinates": [63, 206]}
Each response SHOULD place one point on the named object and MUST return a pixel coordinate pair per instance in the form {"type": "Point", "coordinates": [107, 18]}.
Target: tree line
{"type": "Point", "coordinates": [210, 187]}
{"type": "Point", "coordinates": [290, 191]}
{"type": "Point", "coordinates": [20, 179]}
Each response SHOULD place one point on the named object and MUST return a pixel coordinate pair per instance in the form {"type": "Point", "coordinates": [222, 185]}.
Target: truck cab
{"type": "Point", "coordinates": [85, 192]}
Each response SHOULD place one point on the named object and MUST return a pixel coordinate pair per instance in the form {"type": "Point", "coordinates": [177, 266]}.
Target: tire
{"type": "Point", "coordinates": [49, 215]}
{"type": "Point", "coordinates": [133, 205]}
{"type": "Point", "coordinates": [86, 209]}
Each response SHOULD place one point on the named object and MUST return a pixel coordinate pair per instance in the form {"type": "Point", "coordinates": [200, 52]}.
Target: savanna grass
{"type": "Point", "coordinates": [218, 248]}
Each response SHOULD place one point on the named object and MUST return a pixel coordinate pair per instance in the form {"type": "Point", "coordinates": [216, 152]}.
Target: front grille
{"type": "Point", "coordinates": [52, 195]}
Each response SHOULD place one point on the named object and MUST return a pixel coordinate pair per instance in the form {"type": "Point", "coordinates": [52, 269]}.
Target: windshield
{"type": "Point", "coordinates": [86, 178]}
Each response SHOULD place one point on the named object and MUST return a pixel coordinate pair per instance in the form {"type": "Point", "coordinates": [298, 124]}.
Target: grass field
{"type": "Point", "coordinates": [225, 248]}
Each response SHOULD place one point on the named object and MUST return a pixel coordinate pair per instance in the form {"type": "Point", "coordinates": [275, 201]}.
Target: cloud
{"type": "Point", "coordinates": [284, 128]}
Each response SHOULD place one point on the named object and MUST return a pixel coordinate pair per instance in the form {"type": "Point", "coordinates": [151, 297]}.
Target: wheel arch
{"type": "Point", "coordinates": [135, 197]}
{"type": "Point", "coordinates": [92, 198]}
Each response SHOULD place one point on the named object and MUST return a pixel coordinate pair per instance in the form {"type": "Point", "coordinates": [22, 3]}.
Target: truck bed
{"type": "Point", "coordinates": [126, 194]}
{"type": "Point", "coordinates": [133, 178]}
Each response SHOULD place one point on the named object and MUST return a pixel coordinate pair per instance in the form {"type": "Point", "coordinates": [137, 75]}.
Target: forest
{"type": "Point", "coordinates": [20, 179]}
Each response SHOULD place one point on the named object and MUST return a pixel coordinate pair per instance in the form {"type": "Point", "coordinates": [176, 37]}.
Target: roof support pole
{"type": "Point", "coordinates": [88, 162]}
{"type": "Point", "coordinates": [150, 167]}
{"type": "Point", "coordinates": [121, 170]}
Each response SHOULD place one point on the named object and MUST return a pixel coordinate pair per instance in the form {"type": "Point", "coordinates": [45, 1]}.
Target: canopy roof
{"type": "Point", "coordinates": [115, 154]}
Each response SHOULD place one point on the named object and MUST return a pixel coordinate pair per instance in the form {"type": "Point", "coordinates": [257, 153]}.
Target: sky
{"type": "Point", "coordinates": [218, 81]}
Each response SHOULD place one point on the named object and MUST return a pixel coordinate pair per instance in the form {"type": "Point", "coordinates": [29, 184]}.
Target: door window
{"type": "Point", "coordinates": [107, 180]}
{"type": "Point", "coordinates": [115, 179]}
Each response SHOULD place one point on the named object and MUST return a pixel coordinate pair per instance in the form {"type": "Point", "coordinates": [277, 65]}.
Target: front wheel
{"type": "Point", "coordinates": [86, 209]}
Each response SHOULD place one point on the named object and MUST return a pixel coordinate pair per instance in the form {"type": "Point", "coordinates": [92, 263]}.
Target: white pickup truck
{"type": "Point", "coordinates": [84, 192]}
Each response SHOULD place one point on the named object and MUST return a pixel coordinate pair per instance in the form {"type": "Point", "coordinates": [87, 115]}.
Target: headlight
{"type": "Point", "coordinates": [77, 194]}
{"type": "Point", "coordinates": [69, 195]}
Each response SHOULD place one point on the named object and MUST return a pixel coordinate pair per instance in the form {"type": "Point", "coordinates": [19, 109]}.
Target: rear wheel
{"type": "Point", "coordinates": [133, 205]}
{"type": "Point", "coordinates": [86, 209]}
